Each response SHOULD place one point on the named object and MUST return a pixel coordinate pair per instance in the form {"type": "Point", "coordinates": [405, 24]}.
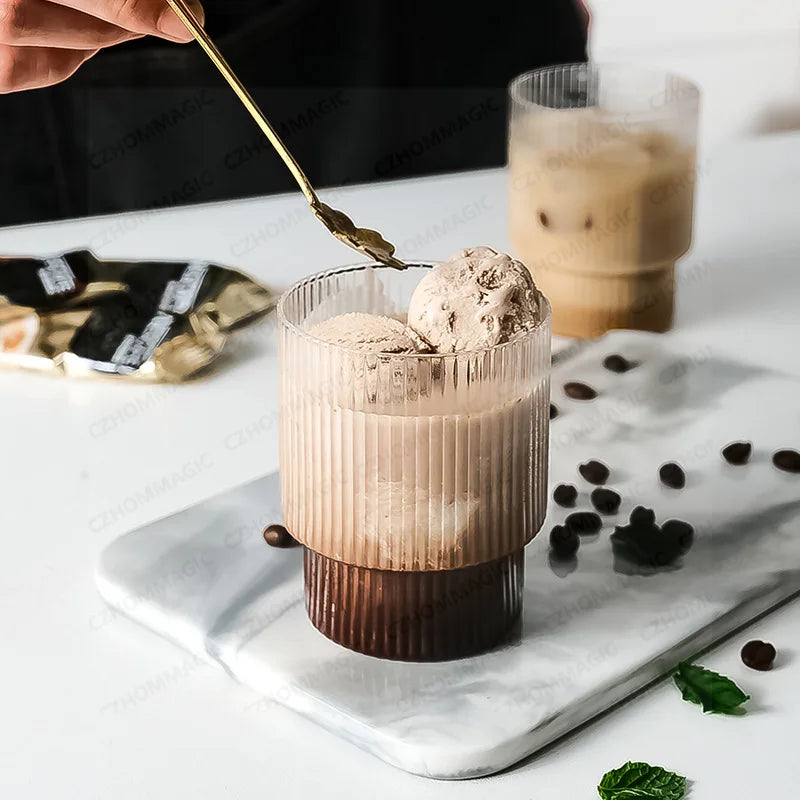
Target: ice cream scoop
{"type": "Point", "coordinates": [371, 333]}
{"type": "Point", "coordinates": [479, 298]}
{"type": "Point", "coordinates": [397, 509]}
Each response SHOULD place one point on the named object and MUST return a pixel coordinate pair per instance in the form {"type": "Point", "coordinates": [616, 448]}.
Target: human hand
{"type": "Point", "coordinates": [43, 42]}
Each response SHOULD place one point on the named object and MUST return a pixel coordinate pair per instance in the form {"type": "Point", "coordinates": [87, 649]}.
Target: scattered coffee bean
{"type": "Point", "coordinates": [561, 567]}
{"type": "Point", "coordinates": [737, 452]}
{"type": "Point", "coordinates": [278, 536]}
{"type": "Point", "coordinates": [618, 363]}
{"type": "Point", "coordinates": [606, 501]}
{"type": "Point", "coordinates": [647, 545]}
{"type": "Point", "coordinates": [678, 534]}
{"type": "Point", "coordinates": [579, 391]}
{"type": "Point", "coordinates": [672, 475]}
{"type": "Point", "coordinates": [595, 472]}
{"type": "Point", "coordinates": [553, 411]}
{"type": "Point", "coordinates": [758, 655]}
{"type": "Point", "coordinates": [565, 494]}
{"type": "Point", "coordinates": [643, 516]}
{"type": "Point", "coordinates": [564, 542]}
{"type": "Point", "coordinates": [584, 523]}
{"type": "Point", "coordinates": [787, 460]}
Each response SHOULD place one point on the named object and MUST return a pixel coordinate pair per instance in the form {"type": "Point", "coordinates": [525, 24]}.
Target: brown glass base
{"type": "Point", "coordinates": [414, 616]}
{"type": "Point", "coordinates": [581, 322]}
{"type": "Point", "coordinates": [586, 306]}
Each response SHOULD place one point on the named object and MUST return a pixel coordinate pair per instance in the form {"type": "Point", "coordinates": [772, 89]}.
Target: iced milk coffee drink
{"type": "Point", "coordinates": [601, 191]}
{"type": "Point", "coordinates": [414, 441]}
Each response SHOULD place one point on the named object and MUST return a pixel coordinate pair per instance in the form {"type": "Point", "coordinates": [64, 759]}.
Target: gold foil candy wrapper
{"type": "Point", "coordinates": [78, 315]}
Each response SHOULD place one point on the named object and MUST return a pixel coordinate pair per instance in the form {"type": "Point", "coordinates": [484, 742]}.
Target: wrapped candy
{"type": "Point", "coordinates": [78, 315]}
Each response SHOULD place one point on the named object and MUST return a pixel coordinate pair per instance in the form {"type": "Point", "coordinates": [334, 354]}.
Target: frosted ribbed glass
{"type": "Point", "coordinates": [408, 462]}
{"type": "Point", "coordinates": [601, 190]}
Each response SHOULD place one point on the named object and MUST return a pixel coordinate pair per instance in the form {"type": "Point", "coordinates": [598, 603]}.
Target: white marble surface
{"type": "Point", "coordinates": [114, 711]}
{"type": "Point", "coordinates": [591, 634]}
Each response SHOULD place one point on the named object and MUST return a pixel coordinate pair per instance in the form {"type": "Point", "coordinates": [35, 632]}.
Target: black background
{"type": "Point", "coordinates": [359, 88]}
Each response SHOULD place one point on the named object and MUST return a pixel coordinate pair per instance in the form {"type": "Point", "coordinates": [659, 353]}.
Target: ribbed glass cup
{"type": "Point", "coordinates": [411, 464]}
{"type": "Point", "coordinates": [601, 191]}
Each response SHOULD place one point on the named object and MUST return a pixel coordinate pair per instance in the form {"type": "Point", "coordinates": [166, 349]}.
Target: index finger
{"type": "Point", "coordinates": [140, 16]}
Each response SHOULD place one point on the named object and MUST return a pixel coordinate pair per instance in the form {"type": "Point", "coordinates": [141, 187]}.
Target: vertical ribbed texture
{"type": "Point", "coordinates": [601, 191]}
{"type": "Point", "coordinates": [415, 616]}
{"type": "Point", "coordinates": [408, 462]}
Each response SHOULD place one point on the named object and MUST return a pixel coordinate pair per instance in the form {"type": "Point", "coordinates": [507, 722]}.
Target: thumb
{"type": "Point", "coordinates": [170, 24]}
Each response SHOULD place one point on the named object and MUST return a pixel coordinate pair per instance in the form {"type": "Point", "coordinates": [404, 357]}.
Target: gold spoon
{"type": "Point", "coordinates": [339, 224]}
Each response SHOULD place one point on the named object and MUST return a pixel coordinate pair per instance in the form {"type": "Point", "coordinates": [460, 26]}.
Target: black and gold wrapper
{"type": "Point", "coordinates": [80, 316]}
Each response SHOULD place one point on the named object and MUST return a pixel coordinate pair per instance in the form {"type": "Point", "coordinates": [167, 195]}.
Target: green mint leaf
{"type": "Point", "coordinates": [639, 781]}
{"type": "Point", "coordinates": [715, 693]}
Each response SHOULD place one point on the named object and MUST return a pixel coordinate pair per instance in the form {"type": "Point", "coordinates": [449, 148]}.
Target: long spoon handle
{"type": "Point", "coordinates": [184, 12]}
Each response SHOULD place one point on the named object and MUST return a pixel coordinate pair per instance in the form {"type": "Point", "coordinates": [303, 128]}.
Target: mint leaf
{"type": "Point", "coordinates": [715, 693]}
{"type": "Point", "coordinates": [639, 781]}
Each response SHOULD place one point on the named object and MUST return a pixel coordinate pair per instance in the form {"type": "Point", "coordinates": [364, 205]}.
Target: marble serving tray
{"type": "Point", "coordinates": [593, 631]}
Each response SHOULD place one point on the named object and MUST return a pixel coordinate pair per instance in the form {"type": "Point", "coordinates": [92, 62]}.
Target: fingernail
{"type": "Point", "coordinates": [172, 26]}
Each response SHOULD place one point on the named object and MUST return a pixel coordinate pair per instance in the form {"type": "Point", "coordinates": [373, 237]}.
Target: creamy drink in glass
{"type": "Point", "coordinates": [601, 191]}
{"type": "Point", "coordinates": [414, 478]}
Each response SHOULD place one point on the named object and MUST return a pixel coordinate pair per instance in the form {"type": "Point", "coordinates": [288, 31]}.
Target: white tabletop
{"type": "Point", "coordinates": [92, 706]}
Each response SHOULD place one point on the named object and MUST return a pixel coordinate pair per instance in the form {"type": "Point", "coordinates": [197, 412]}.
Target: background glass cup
{"type": "Point", "coordinates": [414, 481]}
{"type": "Point", "coordinates": [601, 191]}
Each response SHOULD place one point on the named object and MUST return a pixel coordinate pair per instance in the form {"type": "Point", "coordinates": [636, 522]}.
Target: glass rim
{"type": "Point", "coordinates": [295, 329]}
{"type": "Point", "coordinates": [691, 98]}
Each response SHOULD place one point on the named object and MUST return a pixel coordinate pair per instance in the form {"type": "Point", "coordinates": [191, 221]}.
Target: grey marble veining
{"type": "Point", "coordinates": [591, 634]}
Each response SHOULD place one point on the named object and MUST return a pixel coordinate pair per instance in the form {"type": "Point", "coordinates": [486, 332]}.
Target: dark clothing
{"type": "Point", "coordinates": [360, 90]}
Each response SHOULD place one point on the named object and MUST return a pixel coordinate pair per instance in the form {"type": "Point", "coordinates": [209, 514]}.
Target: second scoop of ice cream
{"type": "Point", "coordinates": [371, 333]}
{"type": "Point", "coordinates": [477, 299]}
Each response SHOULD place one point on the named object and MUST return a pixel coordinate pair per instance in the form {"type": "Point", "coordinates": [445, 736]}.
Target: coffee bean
{"type": "Point", "coordinates": [648, 545]}
{"type": "Point", "coordinates": [679, 534]}
{"type": "Point", "coordinates": [584, 523]}
{"type": "Point", "coordinates": [595, 472]}
{"type": "Point", "coordinates": [737, 452]}
{"type": "Point", "coordinates": [553, 411]}
{"type": "Point", "coordinates": [561, 566]}
{"type": "Point", "coordinates": [565, 494]}
{"type": "Point", "coordinates": [619, 364]}
{"type": "Point", "coordinates": [278, 536]}
{"type": "Point", "coordinates": [787, 460]}
{"type": "Point", "coordinates": [606, 501]}
{"type": "Point", "coordinates": [643, 516]}
{"type": "Point", "coordinates": [672, 475]}
{"type": "Point", "coordinates": [579, 391]}
{"type": "Point", "coordinates": [758, 655]}
{"type": "Point", "coordinates": [564, 542]}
